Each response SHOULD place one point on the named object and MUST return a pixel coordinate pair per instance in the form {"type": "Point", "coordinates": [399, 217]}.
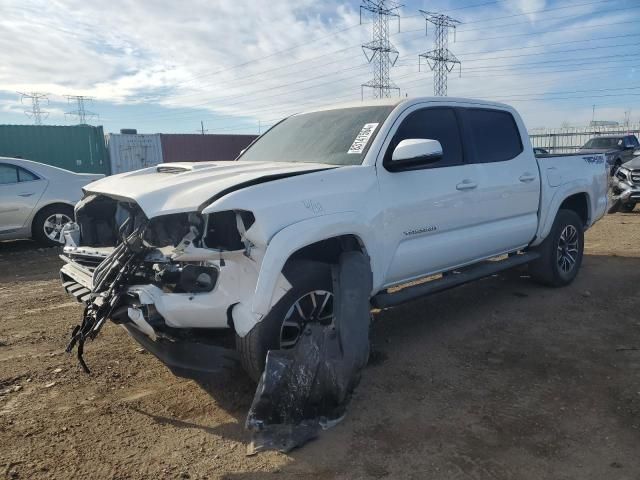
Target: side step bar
{"type": "Point", "coordinates": [386, 299]}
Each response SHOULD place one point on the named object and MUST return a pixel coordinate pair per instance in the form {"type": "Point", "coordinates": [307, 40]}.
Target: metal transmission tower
{"type": "Point", "coordinates": [380, 51]}
{"type": "Point", "coordinates": [81, 112]}
{"type": "Point", "coordinates": [36, 112]}
{"type": "Point", "coordinates": [440, 59]}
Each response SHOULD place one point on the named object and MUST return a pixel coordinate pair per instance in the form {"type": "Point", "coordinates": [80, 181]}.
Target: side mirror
{"type": "Point", "coordinates": [417, 151]}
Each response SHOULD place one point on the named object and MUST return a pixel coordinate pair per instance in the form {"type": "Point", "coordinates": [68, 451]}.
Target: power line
{"type": "Point", "coordinates": [80, 111]}
{"type": "Point", "coordinates": [403, 32]}
{"type": "Point", "coordinates": [36, 113]}
{"type": "Point", "coordinates": [440, 60]}
{"type": "Point", "coordinates": [582, 27]}
{"type": "Point", "coordinates": [380, 52]}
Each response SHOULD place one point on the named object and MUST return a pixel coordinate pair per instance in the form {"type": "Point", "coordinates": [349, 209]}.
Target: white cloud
{"type": "Point", "coordinates": [183, 55]}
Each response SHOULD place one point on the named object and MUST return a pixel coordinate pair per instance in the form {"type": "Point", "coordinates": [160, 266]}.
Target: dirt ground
{"type": "Point", "coordinates": [500, 379]}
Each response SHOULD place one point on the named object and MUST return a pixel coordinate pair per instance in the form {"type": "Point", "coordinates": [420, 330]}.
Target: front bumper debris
{"type": "Point", "coordinates": [188, 359]}
{"type": "Point", "coordinates": [307, 388]}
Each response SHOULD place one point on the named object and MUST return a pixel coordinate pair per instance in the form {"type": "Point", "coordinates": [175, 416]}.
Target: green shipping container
{"type": "Point", "coordinates": [79, 148]}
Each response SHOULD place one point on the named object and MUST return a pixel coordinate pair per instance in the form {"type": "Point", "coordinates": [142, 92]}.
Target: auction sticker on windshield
{"type": "Point", "coordinates": [363, 138]}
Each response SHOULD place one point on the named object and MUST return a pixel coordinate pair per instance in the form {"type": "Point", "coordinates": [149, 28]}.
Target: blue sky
{"type": "Point", "coordinates": [165, 66]}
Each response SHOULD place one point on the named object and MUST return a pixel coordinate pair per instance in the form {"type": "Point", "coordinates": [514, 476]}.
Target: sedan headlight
{"type": "Point", "coordinates": [623, 173]}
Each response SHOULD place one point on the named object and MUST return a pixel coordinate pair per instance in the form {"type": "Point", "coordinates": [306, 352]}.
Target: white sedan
{"type": "Point", "coordinates": [37, 200]}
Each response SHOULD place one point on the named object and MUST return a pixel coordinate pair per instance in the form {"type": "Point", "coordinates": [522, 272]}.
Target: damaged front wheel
{"type": "Point", "coordinates": [310, 299]}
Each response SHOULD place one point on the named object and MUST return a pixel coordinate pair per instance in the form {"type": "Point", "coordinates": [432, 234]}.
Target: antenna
{"type": "Point", "coordinates": [380, 52]}
{"type": "Point", "coordinates": [81, 112]}
{"type": "Point", "coordinates": [36, 112]}
{"type": "Point", "coordinates": [440, 59]}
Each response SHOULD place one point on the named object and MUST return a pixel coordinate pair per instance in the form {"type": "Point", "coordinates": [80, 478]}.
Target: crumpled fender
{"type": "Point", "coordinates": [299, 235]}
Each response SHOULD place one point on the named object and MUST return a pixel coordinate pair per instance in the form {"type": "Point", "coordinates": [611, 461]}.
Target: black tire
{"type": "Point", "coordinates": [627, 207]}
{"type": "Point", "coordinates": [38, 226]}
{"type": "Point", "coordinates": [304, 276]}
{"type": "Point", "coordinates": [549, 269]}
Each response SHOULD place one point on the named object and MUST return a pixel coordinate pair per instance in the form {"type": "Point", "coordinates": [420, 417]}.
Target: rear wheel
{"type": "Point", "coordinates": [48, 222]}
{"type": "Point", "coordinates": [561, 252]}
{"type": "Point", "coordinates": [310, 299]}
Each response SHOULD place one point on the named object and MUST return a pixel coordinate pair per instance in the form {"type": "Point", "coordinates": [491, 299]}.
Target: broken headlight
{"type": "Point", "coordinates": [187, 278]}
{"type": "Point", "coordinates": [196, 278]}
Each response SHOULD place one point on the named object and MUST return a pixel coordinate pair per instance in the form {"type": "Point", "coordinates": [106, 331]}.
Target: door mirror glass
{"type": "Point", "coordinates": [417, 150]}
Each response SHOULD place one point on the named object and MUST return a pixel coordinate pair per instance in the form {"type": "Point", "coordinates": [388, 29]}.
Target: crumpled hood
{"type": "Point", "coordinates": [186, 187]}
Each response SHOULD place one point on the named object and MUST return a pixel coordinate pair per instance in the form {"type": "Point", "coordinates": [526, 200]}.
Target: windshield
{"type": "Point", "coordinates": [338, 137]}
{"type": "Point", "coordinates": [603, 143]}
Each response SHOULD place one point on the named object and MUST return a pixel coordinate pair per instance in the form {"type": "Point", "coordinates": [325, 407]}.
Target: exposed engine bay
{"type": "Point", "coordinates": [120, 248]}
{"type": "Point", "coordinates": [139, 271]}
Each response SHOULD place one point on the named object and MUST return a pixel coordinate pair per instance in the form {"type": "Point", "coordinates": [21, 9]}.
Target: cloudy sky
{"type": "Point", "coordinates": [238, 66]}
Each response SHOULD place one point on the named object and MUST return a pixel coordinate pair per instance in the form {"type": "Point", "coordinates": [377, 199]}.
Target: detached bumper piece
{"type": "Point", "coordinates": [307, 388]}
{"type": "Point", "coordinates": [82, 294]}
{"type": "Point", "coordinates": [187, 359]}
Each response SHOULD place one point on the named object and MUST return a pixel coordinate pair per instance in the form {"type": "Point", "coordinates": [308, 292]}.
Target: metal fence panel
{"type": "Point", "coordinates": [568, 140]}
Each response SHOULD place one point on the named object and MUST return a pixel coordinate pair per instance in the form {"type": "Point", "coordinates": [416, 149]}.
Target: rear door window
{"type": "Point", "coordinates": [26, 176]}
{"type": "Point", "coordinates": [493, 135]}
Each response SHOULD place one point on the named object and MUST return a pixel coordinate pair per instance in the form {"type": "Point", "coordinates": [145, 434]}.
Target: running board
{"type": "Point", "coordinates": [452, 279]}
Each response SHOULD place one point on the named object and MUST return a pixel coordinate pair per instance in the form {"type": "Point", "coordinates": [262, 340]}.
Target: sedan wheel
{"type": "Point", "coordinates": [53, 225]}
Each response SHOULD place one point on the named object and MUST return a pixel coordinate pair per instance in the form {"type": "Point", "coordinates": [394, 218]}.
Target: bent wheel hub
{"type": "Point", "coordinates": [53, 226]}
{"type": "Point", "coordinates": [315, 306]}
{"type": "Point", "coordinates": [568, 249]}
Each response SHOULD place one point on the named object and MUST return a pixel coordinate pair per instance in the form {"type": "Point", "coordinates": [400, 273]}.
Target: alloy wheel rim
{"type": "Point", "coordinates": [314, 306]}
{"type": "Point", "coordinates": [53, 226]}
{"type": "Point", "coordinates": [568, 249]}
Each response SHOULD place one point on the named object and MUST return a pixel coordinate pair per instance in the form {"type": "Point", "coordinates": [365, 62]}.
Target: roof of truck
{"type": "Point", "coordinates": [406, 101]}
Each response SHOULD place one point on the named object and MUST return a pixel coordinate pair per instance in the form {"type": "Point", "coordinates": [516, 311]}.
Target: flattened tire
{"type": "Point", "coordinates": [305, 276]}
{"type": "Point", "coordinates": [561, 252]}
{"type": "Point", "coordinates": [48, 222]}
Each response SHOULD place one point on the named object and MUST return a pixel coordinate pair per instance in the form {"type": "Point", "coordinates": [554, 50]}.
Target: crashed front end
{"type": "Point", "coordinates": [625, 185]}
{"type": "Point", "coordinates": [171, 281]}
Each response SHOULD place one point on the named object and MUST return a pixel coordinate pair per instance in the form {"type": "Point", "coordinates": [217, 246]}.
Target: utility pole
{"type": "Point", "coordinates": [81, 112]}
{"type": "Point", "coordinates": [440, 59]}
{"type": "Point", "coordinates": [202, 130]}
{"type": "Point", "coordinates": [36, 112]}
{"type": "Point", "coordinates": [380, 52]}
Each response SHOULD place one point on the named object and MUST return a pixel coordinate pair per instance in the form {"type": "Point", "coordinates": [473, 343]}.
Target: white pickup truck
{"type": "Point", "coordinates": [445, 188]}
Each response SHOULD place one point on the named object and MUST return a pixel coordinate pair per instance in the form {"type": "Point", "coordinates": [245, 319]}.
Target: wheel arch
{"type": "Point", "coordinates": [321, 239]}
{"type": "Point", "coordinates": [40, 208]}
{"type": "Point", "coordinates": [579, 203]}
{"type": "Point", "coordinates": [576, 199]}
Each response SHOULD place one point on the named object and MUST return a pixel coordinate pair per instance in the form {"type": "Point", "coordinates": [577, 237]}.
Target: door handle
{"type": "Point", "coordinates": [25, 194]}
{"type": "Point", "coordinates": [466, 185]}
{"type": "Point", "coordinates": [527, 177]}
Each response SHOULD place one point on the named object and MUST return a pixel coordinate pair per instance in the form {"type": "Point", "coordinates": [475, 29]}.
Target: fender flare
{"type": "Point", "coordinates": [298, 235]}
{"type": "Point", "coordinates": [560, 195]}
